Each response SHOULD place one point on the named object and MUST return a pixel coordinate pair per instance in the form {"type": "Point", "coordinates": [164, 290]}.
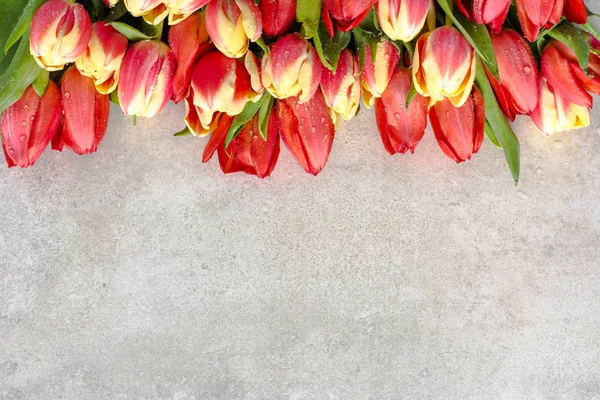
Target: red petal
{"type": "Point", "coordinates": [576, 12]}
{"type": "Point", "coordinates": [277, 16]}
{"type": "Point", "coordinates": [266, 152]}
{"type": "Point", "coordinates": [217, 138]}
{"type": "Point", "coordinates": [557, 70]}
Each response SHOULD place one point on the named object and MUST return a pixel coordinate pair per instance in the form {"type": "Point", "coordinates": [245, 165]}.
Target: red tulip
{"type": "Point", "coordinates": [403, 19]}
{"type": "Point", "coordinates": [517, 90]}
{"type": "Point", "coordinates": [278, 16]}
{"type": "Point", "coordinates": [459, 130]}
{"type": "Point", "coordinates": [28, 125]}
{"type": "Point", "coordinates": [401, 129]}
{"type": "Point", "coordinates": [484, 12]}
{"type": "Point", "coordinates": [576, 12]}
{"type": "Point", "coordinates": [561, 68]}
{"type": "Point", "coordinates": [341, 89]}
{"type": "Point", "coordinates": [60, 32]}
{"type": "Point", "coordinates": [189, 41]}
{"type": "Point", "coordinates": [85, 114]}
{"type": "Point", "coordinates": [346, 14]}
{"type": "Point", "coordinates": [376, 76]}
{"type": "Point", "coordinates": [232, 24]}
{"type": "Point", "coordinates": [535, 14]}
{"type": "Point", "coordinates": [307, 131]}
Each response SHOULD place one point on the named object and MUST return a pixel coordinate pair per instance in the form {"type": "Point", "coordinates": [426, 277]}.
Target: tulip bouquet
{"type": "Point", "coordinates": [254, 72]}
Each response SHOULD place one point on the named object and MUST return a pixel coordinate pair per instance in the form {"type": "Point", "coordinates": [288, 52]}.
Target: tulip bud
{"type": "Point", "coordinates": [189, 42]}
{"type": "Point", "coordinates": [28, 125]}
{"type": "Point", "coordinates": [292, 69]}
{"type": "Point", "coordinates": [485, 12]}
{"type": "Point", "coordinates": [401, 129]}
{"type": "Point", "coordinates": [85, 114]}
{"type": "Point", "coordinates": [219, 85]}
{"type": "Point", "coordinates": [576, 12]}
{"type": "Point", "coordinates": [307, 131]}
{"type": "Point", "coordinates": [179, 10]}
{"type": "Point", "coordinates": [403, 19]}
{"type": "Point", "coordinates": [278, 16]}
{"type": "Point", "coordinates": [376, 76]}
{"type": "Point", "coordinates": [232, 24]}
{"type": "Point", "coordinates": [249, 152]}
{"type": "Point", "coordinates": [153, 11]}
{"type": "Point", "coordinates": [60, 32]}
{"type": "Point", "coordinates": [444, 66]}
{"type": "Point", "coordinates": [348, 14]}
{"type": "Point", "coordinates": [102, 58]}
{"type": "Point", "coordinates": [459, 130]}
{"type": "Point", "coordinates": [146, 78]}
{"type": "Point", "coordinates": [535, 14]}
{"type": "Point", "coordinates": [556, 113]}
{"type": "Point", "coordinates": [517, 91]}
{"type": "Point", "coordinates": [341, 89]}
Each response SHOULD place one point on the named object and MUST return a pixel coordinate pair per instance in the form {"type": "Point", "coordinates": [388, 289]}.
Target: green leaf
{"type": "Point", "coordinates": [329, 49]}
{"type": "Point", "coordinates": [489, 132]}
{"type": "Point", "coordinates": [308, 13]}
{"type": "Point", "coordinates": [114, 98]}
{"type": "Point", "coordinates": [502, 131]}
{"type": "Point", "coordinates": [10, 11]}
{"type": "Point", "coordinates": [117, 11]}
{"type": "Point", "coordinates": [41, 82]}
{"type": "Point", "coordinates": [184, 132]}
{"type": "Point", "coordinates": [21, 72]}
{"type": "Point", "coordinates": [242, 118]}
{"type": "Point", "coordinates": [362, 39]}
{"type": "Point", "coordinates": [411, 93]}
{"type": "Point", "coordinates": [130, 32]}
{"type": "Point", "coordinates": [264, 114]}
{"type": "Point", "coordinates": [570, 36]}
{"type": "Point", "coordinates": [477, 35]}
{"type": "Point", "coordinates": [23, 22]}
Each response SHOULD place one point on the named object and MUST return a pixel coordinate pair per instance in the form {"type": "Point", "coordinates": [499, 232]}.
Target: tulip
{"type": "Point", "coordinates": [189, 42]}
{"type": "Point", "coordinates": [401, 128]}
{"type": "Point", "coordinates": [517, 91]}
{"type": "Point", "coordinates": [444, 66]}
{"type": "Point", "coordinates": [535, 14]}
{"type": "Point", "coordinates": [153, 11]}
{"type": "Point", "coordinates": [484, 12]}
{"type": "Point", "coordinates": [563, 73]}
{"type": "Point", "coordinates": [146, 78]}
{"type": "Point", "coordinates": [232, 24]}
{"type": "Point", "coordinates": [341, 88]}
{"type": "Point", "coordinates": [278, 16]}
{"type": "Point", "coordinates": [248, 152]}
{"type": "Point", "coordinates": [60, 32]}
{"type": "Point", "coordinates": [28, 125]}
{"type": "Point", "coordinates": [403, 19]}
{"type": "Point", "coordinates": [111, 3]}
{"type": "Point", "coordinates": [347, 14]}
{"type": "Point", "coordinates": [85, 114]}
{"type": "Point", "coordinates": [253, 67]}
{"type": "Point", "coordinates": [576, 12]}
{"type": "Point", "coordinates": [459, 130]}
{"type": "Point", "coordinates": [307, 131]}
{"type": "Point", "coordinates": [219, 85]}
{"type": "Point", "coordinates": [291, 69]}
{"type": "Point", "coordinates": [555, 113]}
{"type": "Point", "coordinates": [376, 76]}
{"type": "Point", "coordinates": [102, 59]}
{"type": "Point", "coordinates": [179, 10]}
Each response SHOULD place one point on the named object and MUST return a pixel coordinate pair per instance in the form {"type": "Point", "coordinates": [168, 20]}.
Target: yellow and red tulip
{"type": "Point", "coordinates": [484, 12]}
{"type": "Point", "coordinates": [341, 89]}
{"type": "Point", "coordinates": [376, 76]}
{"type": "Point", "coordinates": [346, 14]}
{"type": "Point", "coordinates": [103, 56]}
{"type": "Point", "coordinates": [153, 11]}
{"type": "Point", "coordinates": [219, 85]}
{"type": "Point", "coordinates": [29, 125]}
{"type": "Point", "coordinates": [307, 131]}
{"type": "Point", "coordinates": [60, 32]}
{"type": "Point", "coordinates": [189, 41]}
{"type": "Point", "coordinates": [291, 69]}
{"type": "Point", "coordinates": [444, 66]}
{"type": "Point", "coordinates": [459, 130]}
{"type": "Point", "coordinates": [146, 78]}
{"type": "Point", "coordinates": [403, 19]}
{"type": "Point", "coordinates": [232, 24]}
{"type": "Point", "coordinates": [517, 90]}
{"type": "Point", "coordinates": [536, 14]}
{"type": "Point", "coordinates": [179, 10]}
{"type": "Point", "coordinates": [277, 16]}
{"type": "Point", "coordinates": [401, 128]}
{"type": "Point", "coordinates": [556, 113]}
{"type": "Point", "coordinates": [85, 114]}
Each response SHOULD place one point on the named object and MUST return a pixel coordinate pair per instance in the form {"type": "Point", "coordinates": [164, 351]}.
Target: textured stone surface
{"type": "Point", "coordinates": [138, 273]}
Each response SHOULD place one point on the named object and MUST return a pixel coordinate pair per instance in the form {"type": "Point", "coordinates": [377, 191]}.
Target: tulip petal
{"type": "Point", "coordinates": [557, 70]}
{"type": "Point", "coordinates": [278, 16]}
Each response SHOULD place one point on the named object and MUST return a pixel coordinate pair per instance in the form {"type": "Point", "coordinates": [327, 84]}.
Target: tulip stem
{"type": "Point", "coordinates": [448, 17]}
{"type": "Point", "coordinates": [134, 119]}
